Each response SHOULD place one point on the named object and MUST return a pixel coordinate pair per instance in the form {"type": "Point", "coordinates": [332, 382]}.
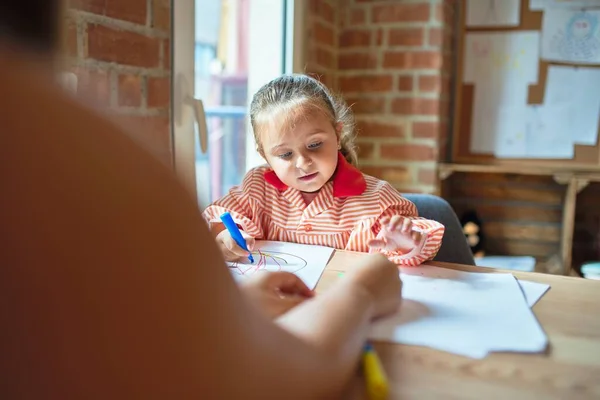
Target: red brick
{"type": "Point", "coordinates": [374, 129]}
{"type": "Point", "coordinates": [427, 176]}
{"type": "Point", "coordinates": [93, 85]}
{"type": "Point", "coordinates": [379, 37]}
{"type": "Point", "coordinates": [405, 83]}
{"type": "Point", "coordinates": [130, 90]}
{"type": "Point", "coordinates": [151, 131]}
{"type": "Point", "coordinates": [324, 58]}
{"type": "Point", "coordinates": [430, 83]}
{"type": "Point", "coordinates": [358, 17]}
{"type": "Point", "coordinates": [357, 61]}
{"type": "Point", "coordinates": [70, 38]}
{"type": "Point", "coordinates": [425, 130]}
{"type": "Point", "coordinates": [406, 37]}
{"type": "Point", "coordinates": [408, 152]}
{"type": "Point", "coordinates": [416, 106]}
{"type": "Point", "coordinates": [391, 174]}
{"type": "Point", "coordinates": [161, 14]}
{"type": "Point", "coordinates": [323, 34]}
{"type": "Point", "coordinates": [107, 44]}
{"type": "Point", "coordinates": [418, 12]}
{"type": "Point", "coordinates": [366, 105]}
{"type": "Point", "coordinates": [373, 83]}
{"type": "Point", "coordinates": [365, 150]}
{"type": "Point", "coordinates": [412, 60]}
{"type": "Point", "coordinates": [439, 12]}
{"type": "Point", "coordinates": [322, 9]}
{"type": "Point", "coordinates": [167, 54]}
{"type": "Point", "coordinates": [126, 10]}
{"type": "Point", "coordinates": [355, 38]}
{"type": "Point", "coordinates": [159, 92]}
{"type": "Point", "coordinates": [436, 36]}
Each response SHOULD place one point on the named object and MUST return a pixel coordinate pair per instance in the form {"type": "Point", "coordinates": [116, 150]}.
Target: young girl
{"type": "Point", "coordinates": [311, 192]}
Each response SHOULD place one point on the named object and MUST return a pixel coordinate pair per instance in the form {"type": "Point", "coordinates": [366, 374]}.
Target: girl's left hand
{"type": "Point", "coordinates": [397, 234]}
{"type": "Point", "coordinates": [275, 293]}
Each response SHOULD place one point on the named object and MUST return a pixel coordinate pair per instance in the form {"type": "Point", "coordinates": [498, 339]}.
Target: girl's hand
{"type": "Point", "coordinates": [381, 280]}
{"type": "Point", "coordinates": [275, 293]}
{"type": "Point", "coordinates": [397, 235]}
{"type": "Point", "coordinates": [230, 249]}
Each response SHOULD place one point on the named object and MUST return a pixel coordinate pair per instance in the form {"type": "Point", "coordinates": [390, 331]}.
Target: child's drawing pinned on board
{"type": "Point", "coordinates": [269, 261]}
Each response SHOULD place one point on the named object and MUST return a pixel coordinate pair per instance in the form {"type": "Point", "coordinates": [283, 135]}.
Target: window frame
{"type": "Point", "coordinates": [183, 77]}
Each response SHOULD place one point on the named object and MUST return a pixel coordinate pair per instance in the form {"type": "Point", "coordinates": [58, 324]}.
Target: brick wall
{"type": "Point", "coordinates": [392, 61]}
{"type": "Point", "coordinates": [120, 51]}
{"type": "Point", "coordinates": [322, 40]}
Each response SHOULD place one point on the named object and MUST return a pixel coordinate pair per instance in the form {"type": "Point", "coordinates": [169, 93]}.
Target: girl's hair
{"type": "Point", "coordinates": [295, 96]}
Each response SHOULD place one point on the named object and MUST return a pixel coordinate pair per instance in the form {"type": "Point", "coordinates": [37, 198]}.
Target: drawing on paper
{"type": "Point", "coordinates": [579, 40]}
{"type": "Point", "coordinates": [268, 261]}
{"type": "Point", "coordinates": [491, 15]}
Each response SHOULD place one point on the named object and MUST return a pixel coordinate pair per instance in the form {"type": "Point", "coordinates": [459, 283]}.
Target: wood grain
{"type": "Point", "coordinates": [568, 313]}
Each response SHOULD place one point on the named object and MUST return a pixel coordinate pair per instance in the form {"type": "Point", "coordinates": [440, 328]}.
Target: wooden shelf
{"type": "Point", "coordinates": [575, 181]}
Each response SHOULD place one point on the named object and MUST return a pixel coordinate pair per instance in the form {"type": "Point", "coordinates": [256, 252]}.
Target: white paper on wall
{"type": "Point", "coordinates": [579, 87]}
{"type": "Point", "coordinates": [501, 66]}
{"type": "Point", "coordinates": [493, 12]}
{"type": "Point", "coordinates": [571, 36]}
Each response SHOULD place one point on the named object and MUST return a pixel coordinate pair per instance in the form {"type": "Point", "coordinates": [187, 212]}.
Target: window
{"type": "Point", "coordinates": [237, 46]}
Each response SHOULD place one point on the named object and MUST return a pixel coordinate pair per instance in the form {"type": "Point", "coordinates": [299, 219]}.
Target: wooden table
{"type": "Point", "coordinates": [570, 315]}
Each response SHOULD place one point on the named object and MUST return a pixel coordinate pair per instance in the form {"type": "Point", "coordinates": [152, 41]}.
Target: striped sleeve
{"type": "Point", "coordinates": [241, 204]}
{"type": "Point", "coordinates": [391, 203]}
{"type": "Point", "coordinates": [432, 230]}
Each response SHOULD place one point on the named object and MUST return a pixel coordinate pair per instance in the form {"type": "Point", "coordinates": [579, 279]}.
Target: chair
{"type": "Point", "coordinates": [455, 248]}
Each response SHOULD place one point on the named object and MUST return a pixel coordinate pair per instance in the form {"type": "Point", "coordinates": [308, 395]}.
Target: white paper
{"type": "Point", "coordinates": [464, 313]}
{"type": "Point", "coordinates": [532, 291]}
{"type": "Point", "coordinates": [535, 131]}
{"type": "Point", "coordinates": [305, 261]}
{"type": "Point", "coordinates": [516, 263]}
{"type": "Point", "coordinates": [571, 36]}
{"type": "Point", "coordinates": [493, 12]}
{"type": "Point", "coordinates": [579, 90]}
{"type": "Point", "coordinates": [501, 66]}
{"type": "Point", "coordinates": [538, 5]}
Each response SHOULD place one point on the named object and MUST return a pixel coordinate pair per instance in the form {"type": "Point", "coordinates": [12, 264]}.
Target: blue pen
{"type": "Point", "coordinates": [235, 233]}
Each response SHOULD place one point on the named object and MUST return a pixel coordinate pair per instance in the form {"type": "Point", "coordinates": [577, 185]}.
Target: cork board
{"type": "Point", "coordinates": [585, 157]}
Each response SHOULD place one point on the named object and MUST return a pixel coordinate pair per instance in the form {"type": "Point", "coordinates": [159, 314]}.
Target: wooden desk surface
{"type": "Point", "coordinates": [570, 315]}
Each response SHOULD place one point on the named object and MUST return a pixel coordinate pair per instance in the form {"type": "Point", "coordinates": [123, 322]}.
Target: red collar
{"type": "Point", "coordinates": [347, 179]}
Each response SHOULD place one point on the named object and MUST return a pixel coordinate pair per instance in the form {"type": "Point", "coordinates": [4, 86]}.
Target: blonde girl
{"type": "Point", "coordinates": [311, 191]}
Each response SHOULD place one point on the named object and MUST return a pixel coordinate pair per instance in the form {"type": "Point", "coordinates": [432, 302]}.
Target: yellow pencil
{"type": "Point", "coordinates": [375, 378]}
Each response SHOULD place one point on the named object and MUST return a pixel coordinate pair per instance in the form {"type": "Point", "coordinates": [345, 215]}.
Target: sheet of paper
{"type": "Point", "coordinates": [532, 291]}
{"type": "Point", "coordinates": [501, 66]}
{"type": "Point", "coordinates": [464, 313]}
{"type": "Point", "coordinates": [493, 12]}
{"type": "Point", "coordinates": [307, 262]}
{"type": "Point", "coordinates": [535, 131]}
{"type": "Point", "coordinates": [579, 90]}
{"type": "Point", "coordinates": [539, 5]}
{"type": "Point", "coordinates": [571, 36]}
{"type": "Point", "coordinates": [516, 263]}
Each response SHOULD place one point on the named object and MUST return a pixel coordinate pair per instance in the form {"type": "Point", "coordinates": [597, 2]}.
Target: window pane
{"type": "Point", "coordinates": [239, 47]}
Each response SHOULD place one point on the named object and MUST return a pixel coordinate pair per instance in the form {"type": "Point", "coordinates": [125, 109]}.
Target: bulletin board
{"type": "Point", "coordinates": [584, 157]}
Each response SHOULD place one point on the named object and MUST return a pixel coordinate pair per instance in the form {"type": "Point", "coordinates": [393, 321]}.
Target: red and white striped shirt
{"type": "Point", "coordinates": [345, 214]}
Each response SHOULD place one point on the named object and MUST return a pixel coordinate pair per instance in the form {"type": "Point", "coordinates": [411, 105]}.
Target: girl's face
{"type": "Point", "coordinates": [304, 156]}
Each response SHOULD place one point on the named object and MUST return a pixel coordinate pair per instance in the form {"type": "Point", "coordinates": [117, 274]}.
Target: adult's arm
{"type": "Point", "coordinates": [105, 290]}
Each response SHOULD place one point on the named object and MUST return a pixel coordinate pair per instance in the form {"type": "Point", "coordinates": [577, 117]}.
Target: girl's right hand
{"type": "Point", "coordinates": [381, 280]}
{"type": "Point", "coordinates": [230, 249]}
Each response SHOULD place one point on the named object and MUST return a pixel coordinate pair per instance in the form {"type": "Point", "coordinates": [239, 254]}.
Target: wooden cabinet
{"type": "Point", "coordinates": [538, 213]}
